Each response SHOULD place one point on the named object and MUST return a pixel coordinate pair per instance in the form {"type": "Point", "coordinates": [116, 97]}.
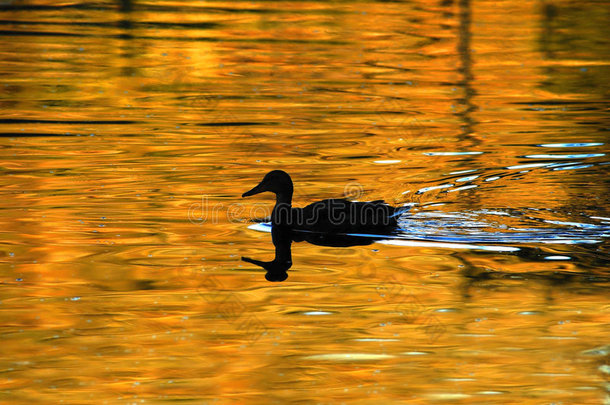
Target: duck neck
{"type": "Point", "coordinates": [284, 198]}
{"type": "Point", "coordinates": [283, 207]}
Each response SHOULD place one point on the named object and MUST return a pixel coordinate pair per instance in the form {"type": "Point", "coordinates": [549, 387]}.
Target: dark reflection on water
{"type": "Point", "coordinates": [282, 238]}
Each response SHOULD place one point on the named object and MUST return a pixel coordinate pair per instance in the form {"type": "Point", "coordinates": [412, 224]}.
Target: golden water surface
{"type": "Point", "coordinates": [129, 131]}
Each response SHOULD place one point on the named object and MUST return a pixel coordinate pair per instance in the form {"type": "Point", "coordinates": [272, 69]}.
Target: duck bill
{"type": "Point", "coordinates": [256, 190]}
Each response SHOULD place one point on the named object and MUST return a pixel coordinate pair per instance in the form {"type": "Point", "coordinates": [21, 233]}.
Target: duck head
{"type": "Point", "coordinates": [276, 181]}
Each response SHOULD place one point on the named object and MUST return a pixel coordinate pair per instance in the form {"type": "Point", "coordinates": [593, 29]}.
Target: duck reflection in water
{"type": "Point", "coordinates": [325, 223]}
{"type": "Point", "coordinates": [282, 238]}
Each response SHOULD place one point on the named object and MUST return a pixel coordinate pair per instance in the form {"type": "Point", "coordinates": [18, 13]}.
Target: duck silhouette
{"type": "Point", "coordinates": [327, 216]}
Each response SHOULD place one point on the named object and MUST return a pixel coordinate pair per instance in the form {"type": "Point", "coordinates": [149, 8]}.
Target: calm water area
{"type": "Point", "coordinates": [129, 131]}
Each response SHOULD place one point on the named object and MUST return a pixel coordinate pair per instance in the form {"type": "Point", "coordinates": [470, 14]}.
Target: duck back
{"type": "Point", "coordinates": [339, 215]}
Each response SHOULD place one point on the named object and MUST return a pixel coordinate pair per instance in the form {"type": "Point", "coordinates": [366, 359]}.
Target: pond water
{"type": "Point", "coordinates": [129, 131]}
